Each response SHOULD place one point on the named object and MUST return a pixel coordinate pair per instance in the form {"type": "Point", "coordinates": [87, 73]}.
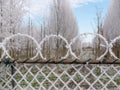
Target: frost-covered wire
{"type": "Point", "coordinates": [99, 35]}
{"type": "Point", "coordinates": [108, 46]}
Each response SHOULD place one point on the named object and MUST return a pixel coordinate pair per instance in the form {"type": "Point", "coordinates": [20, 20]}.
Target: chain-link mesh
{"type": "Point", "coordinates": [59, 77]}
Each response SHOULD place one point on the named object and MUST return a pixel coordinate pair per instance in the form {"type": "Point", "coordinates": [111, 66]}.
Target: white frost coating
{"type": "Point", "coordinates": [55, 36]}
{"type": "Point", "coordinates": [84, 34]}
{"type": "Point", "coordinates": [111, 46]}
{"type": "Point", "coordinates": [68, 45]}
{"type": "Point", "coordinates": [102, 45]}
{"type": "Point", "coordinates": [22, 35]}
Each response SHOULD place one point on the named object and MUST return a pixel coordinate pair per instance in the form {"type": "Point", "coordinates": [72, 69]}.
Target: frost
{"type": "Point", "coordinates": [68, 46]}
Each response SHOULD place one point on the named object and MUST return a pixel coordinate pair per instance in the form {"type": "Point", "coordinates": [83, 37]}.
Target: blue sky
{"type": "Point", "coordinates": [84, 10]}
{"type": "Point", "coordinates": [86, 13]}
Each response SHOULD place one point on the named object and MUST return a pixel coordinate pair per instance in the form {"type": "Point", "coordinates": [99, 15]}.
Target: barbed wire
{"type": "Point", "coordinates": [108, 46]}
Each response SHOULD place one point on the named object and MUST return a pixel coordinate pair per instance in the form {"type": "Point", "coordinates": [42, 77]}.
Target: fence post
{"type": "Point", "coordinates": [12, 73]}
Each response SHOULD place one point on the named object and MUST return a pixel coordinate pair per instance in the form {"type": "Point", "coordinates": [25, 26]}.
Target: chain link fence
{"type": "Point", "coordinates": [59, 77]}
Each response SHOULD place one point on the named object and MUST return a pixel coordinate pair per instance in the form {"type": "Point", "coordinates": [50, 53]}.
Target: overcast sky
{"type": "Point", "coordinates": [84, 11]}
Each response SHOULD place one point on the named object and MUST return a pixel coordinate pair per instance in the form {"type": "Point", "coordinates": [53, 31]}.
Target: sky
{"type": "Point", "coordinates": [85, 13]}
{"type": "Point", "coordinates": [84, 10]}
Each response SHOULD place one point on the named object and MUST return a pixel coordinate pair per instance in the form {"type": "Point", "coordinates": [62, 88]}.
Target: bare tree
{"type": "Point", "coordinates": [111, 27]}
{"type": "Point", "coordinates": [99, 28]}
{"type": "Point", "coordinates": [62, 21]}
{"type": "Point", "coordinates": [10, 18]}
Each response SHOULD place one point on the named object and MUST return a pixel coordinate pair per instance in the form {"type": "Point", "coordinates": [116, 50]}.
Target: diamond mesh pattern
{"type": "Point", "coordinates": [59, 77]}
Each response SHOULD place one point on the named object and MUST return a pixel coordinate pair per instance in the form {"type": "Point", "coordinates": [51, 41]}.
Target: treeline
{"type": "Point", "coordinates": [59, 20]}
{"type": "Point", "coordinates": [109, 28]}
